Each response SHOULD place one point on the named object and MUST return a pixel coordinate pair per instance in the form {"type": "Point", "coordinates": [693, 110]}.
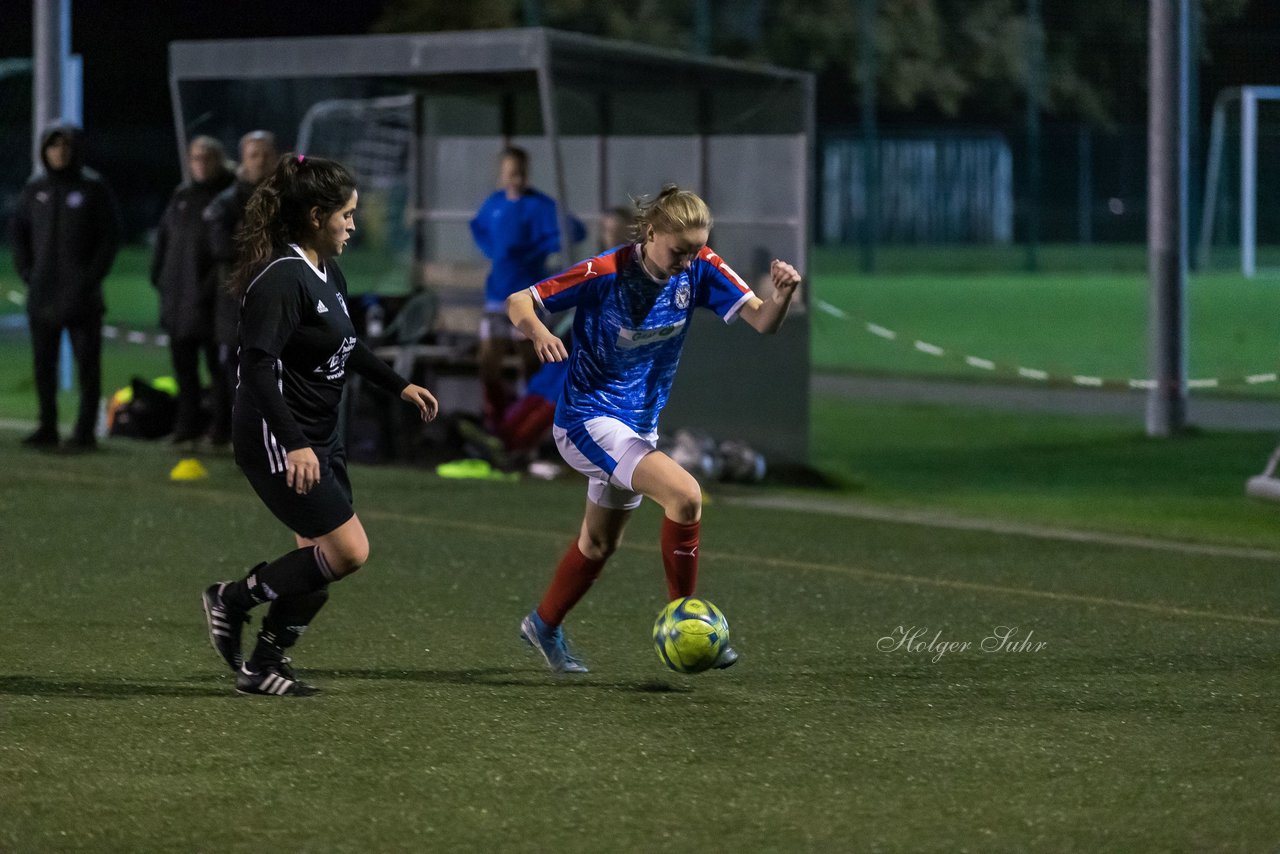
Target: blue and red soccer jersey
{"type": "Point", "coordinates": [629, 330]}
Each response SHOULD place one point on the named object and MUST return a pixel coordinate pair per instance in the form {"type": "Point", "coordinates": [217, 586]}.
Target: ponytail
{"type": "Point", "coordinates": [279, 211]}
{"type": "Point", "coordinates": [672, 211]}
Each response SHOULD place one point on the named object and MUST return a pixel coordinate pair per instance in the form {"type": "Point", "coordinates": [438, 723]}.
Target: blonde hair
{"type": "Point", "coordinates": [672, 211]}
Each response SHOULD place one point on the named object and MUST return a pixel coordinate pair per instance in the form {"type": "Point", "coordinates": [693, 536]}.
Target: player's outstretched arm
{"type": "Point", "coordinates": [428, 406]}
{"type": "Point", "coordinates": [767, 315]}
{"type": "Point", "coordinates": [524, 316]}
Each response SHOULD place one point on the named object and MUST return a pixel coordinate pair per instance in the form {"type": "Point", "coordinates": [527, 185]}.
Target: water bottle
{"type": "Point", "coordinates": [373, 318]}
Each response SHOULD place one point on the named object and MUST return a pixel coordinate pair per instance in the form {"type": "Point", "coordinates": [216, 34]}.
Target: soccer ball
{"type": "Point", "coordinates": [689, 634]}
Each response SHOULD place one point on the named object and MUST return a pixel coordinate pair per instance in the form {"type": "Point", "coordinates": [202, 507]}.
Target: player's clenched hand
{"type": "Point", "coordinates": [785, 278]}
{"type": "Point", "coordinates": [549, 347]}
{"type": "Point", "coordinates": [421, 398]}
{"type": "Point", "coordinates": [303, 470]}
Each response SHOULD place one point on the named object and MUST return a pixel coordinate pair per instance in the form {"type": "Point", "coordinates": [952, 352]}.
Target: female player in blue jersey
{"type": "Point", "coordinates": [297, 344]}
{"type": "Point", "coordinates": [634, 307]}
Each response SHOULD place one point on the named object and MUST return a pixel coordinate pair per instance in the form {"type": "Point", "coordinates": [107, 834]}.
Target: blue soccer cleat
{"type": "Point", "coordinates": [727, 658]}
{"type": "Point", "coordinates": [551, 644]}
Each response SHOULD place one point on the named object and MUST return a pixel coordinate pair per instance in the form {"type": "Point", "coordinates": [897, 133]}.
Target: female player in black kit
{"type": "Point", "coordinates": [296, 344]}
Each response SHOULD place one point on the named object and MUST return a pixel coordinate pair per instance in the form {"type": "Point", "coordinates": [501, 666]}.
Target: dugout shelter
{"type": "Point", "coordinates": [421, 118]}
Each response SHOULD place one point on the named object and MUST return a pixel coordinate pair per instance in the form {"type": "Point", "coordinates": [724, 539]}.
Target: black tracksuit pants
{"type": "Point", "coordinates": [86, 348]}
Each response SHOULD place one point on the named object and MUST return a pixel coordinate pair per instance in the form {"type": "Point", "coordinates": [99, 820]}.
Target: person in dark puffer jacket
{"type": "Point", "coordinates": [223, 218]}
{"type": "Point", "coordinates": [184, 271]}
{"type": "Point", "coordinates": [66, 231]}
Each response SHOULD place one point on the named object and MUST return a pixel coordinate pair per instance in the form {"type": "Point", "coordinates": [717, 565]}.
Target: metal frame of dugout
{"type": "Point", "coordinates": [603, 120]}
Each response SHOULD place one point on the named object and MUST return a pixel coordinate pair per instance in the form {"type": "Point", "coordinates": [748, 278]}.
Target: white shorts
{"type": "Point", "coordinates": [495, 325]}
{"type": "Point", "coordinates": [607, 452]}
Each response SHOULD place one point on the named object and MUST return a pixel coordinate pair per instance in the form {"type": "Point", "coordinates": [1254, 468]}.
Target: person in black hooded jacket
{"type": "Point", "coordinates": [184, 271]}
{"type": "Point", "coordinates": [223, 218]}
{"type": "Point", "coordinates": [66, 231]}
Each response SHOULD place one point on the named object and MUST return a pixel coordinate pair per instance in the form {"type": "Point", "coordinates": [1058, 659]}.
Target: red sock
{"type": "Point", "coordinates": [494, 403]}
{"type": "Point", "coordinates": [680, 557]}
{"type": "Point", "coordinates": [574, 577]}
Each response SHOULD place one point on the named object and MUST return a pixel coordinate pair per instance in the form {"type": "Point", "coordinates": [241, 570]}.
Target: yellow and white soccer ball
{"type": "Point", "coordinates": [689, 634]}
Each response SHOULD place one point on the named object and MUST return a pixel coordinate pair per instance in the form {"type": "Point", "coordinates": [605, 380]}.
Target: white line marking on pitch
{"type": "Point", "coordinates": [992, 526]}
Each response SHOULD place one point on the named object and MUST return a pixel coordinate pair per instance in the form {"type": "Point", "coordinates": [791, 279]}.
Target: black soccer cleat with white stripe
{"type": "Point", "coordinates": [276, 679]}
{"type": "Point", "coordinates": [225, 623]}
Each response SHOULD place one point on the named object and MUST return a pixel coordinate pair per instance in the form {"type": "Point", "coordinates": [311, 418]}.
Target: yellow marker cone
{"type": "Point", "coordinates": [189, 469]}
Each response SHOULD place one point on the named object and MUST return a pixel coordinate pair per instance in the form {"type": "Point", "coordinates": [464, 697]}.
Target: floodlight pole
{"type": "Point", "coordinates": [551, 128]}
{"type": "Point", "coordinates": [51, 38]}
{"type": "Point", "coordinates": [1167, 217]}
{"type": "Point", "coordinates": [870, 134]}
{"type": "Point", "coordinates": [1195, 154]}
{"type": "Point", "coordinates": [702, 27]}
{"type": "Point", "coordinates": [50, 54]}
{"type": "Point", "coordinates": [1035, 84]}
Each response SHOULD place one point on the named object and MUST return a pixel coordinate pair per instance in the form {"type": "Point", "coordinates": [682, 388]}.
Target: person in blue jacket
{"type": "Point", "coordinates": [517, 228]}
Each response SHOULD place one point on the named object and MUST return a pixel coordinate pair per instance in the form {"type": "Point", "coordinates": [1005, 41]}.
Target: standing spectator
{"type": "Point", "coordinates": [528, 420]}
{"type": "Point", "coordinates": [183, 270]}
{"type": "Point", "coordinates": [616, 226]}
{"type": "Point", "coordinates": [516, 228]}
{"type": "Point", "coordinates": [224, 216]}
{"type": "Point", "coordinates": [66, 231]}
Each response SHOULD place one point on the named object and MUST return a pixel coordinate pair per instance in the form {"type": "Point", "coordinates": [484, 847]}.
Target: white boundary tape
{"type": "Point", "coordinates": [130, 336]}
{"type": "Point", "coordinates": [1036, 374]}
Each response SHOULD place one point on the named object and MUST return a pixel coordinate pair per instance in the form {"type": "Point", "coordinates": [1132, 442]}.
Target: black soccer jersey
{"type": "Point", "coordinates": [295, 340]}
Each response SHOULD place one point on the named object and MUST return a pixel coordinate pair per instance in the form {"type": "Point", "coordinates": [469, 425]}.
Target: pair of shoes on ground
{"type": "Point", "coordinates": [46, 439]}
{"type": "Point", "coordinates": [42, 439]}
{"type": "Point", "coordinates": [80, 445]}
{"type": "Point", "coordinates": [550, 643]}
{"type": "Point", "coordinates": [273, 677]}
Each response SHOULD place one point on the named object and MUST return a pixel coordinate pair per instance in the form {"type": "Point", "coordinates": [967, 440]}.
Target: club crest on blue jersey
{"type": "Point", "coordinates": [683, 292]}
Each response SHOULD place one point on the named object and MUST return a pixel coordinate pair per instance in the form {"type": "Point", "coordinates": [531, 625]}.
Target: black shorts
{"type": "Point", "coordinates": [325, 508]}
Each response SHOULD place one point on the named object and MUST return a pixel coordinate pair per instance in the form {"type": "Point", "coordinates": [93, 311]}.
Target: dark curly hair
{"type": "Point", "coordinates": [279, 211]}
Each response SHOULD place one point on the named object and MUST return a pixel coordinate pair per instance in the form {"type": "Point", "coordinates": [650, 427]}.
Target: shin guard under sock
{"type": "Point", "coordinates": [284, 624]}
{"type": "Point", "coordinates": [680, 556]}
{"type": "Point", "coordinates": [297, 573]}
{"type": "Point", "coordinates": [574, 576]}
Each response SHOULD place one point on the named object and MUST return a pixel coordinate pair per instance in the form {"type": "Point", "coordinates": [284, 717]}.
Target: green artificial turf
{"type": "Point", "coordinates": [1146, 721]}
{"type": "Point", "coordinates": [1064, 324]}
{"type": "Point", "coordinates": [1096, 473]}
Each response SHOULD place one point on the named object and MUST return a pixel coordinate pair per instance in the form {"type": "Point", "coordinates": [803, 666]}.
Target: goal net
{"type": "Point", "coordinates": [1240, 220]}
{"type": "Point", "coordinates": [373, 137]}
